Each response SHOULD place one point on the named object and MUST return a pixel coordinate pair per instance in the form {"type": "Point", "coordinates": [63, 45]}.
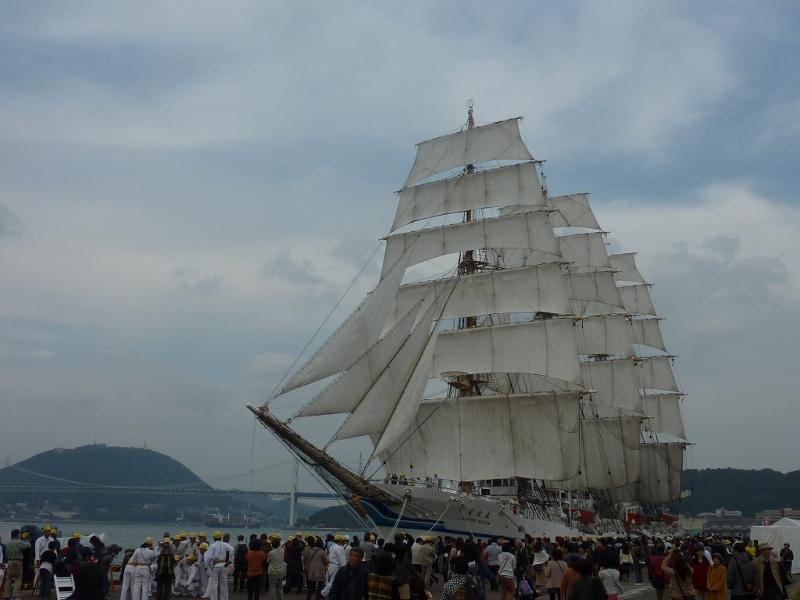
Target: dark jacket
{"type": "Point", "coordinates": [741, 574]}
{"type": "Point", "coordinates": [350, 583]}
{"type": "Point", "coordinates": [165, 567]}
{"type": "Point", "coordinates": [89, 582]}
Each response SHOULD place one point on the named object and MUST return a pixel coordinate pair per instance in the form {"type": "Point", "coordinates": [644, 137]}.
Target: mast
{"type": "Point", "coordinates": [467, 265]}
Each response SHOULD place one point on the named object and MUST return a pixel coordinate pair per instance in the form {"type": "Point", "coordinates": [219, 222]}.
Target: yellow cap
{"type": "Point", "coordinates": [217, 535]}
{"type": "Point", "coordinates": [23, 535]}
{"type": "Point", "coordinates": [202, 534]}
{"type": "Point", "coordinates": [177, 538]}
{"type": "Point", "coordinates": [148, 540]}
{"type": "Point", "coordinates": [191, 557]}
{"type": "Point", "coordinates": [192, 534]}
{"type": "Point", "coordinates": [203, 546]}
{"type": "Point", "coordinates": [75, 535]}
{"type": "Point", "coordinates": [166, 541]}
{"type": "Point", "coordinates": [427, 538]}
{"type": "Point", "coordinates": [182, 534]}
{"type": "Point", "coordinates": [177, 558]}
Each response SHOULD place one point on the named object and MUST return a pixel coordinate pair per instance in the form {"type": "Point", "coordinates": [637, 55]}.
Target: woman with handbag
{"type": "Point", "coordinates": [680, 576]}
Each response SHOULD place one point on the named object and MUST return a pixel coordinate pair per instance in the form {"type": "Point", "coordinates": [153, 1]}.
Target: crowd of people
{"type": "Point", "coordinates": [404, 567]}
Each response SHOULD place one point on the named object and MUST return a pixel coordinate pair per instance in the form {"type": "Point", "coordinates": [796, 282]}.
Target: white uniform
{"type": "Point", "coordinates": [41, 546]}
{"type": "Point", "coordinates": [181, 575]}
{"type": "Point", "coordinates": [193, 580]}
{"type": "Point", "coordinates": [202, 571]}
{"type": "Point", "coordinates": [337, 559]}
{"type": "Point", "coordinates": [141, 575]}
{"type": "Point", "coordinates": [217, 558]}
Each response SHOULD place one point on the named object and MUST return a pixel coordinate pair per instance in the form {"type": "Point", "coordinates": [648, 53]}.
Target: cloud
{"type": "Point", "coordinates": [10, 225]}
{"type": "Point", "coordinates": [200, 286]}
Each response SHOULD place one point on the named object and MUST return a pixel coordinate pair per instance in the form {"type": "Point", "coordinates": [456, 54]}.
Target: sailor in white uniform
{"type": "Point", "coordinates": [218, 557]}
{"type": "Point", "coordinates": [140, 561]}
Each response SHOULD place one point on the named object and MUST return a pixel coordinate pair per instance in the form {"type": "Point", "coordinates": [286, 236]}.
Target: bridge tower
{"type": "Point", "coordinates": [293, 494]}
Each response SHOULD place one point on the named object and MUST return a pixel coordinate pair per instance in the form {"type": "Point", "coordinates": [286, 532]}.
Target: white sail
{"type": "Point", "coordinates": [376, 407]}
{"type": "Point", "coordinates": [345, 392]}
{"type": "Point", "coordinates": [359, 331]}
{"type": "Point", "coordinates": [528, 289]}
{"type": "Point", "coordinates": [487, 437]}
{"type": "Point", "coordinates": [647, 332]}
{"type": "Point", "coordinates": [609, 453]}
{"type": "Point", "coordinates": [565, 211]}
{"type": "Point", "coordinates": [662, 468]}
{"type": "Point", "coordinates": [605, 334]}
{"type": "Point", "coordinates": [530, 230]}
{"type": "Point", "coordinates": [495, 141]}
{"type": "Point", "coordinates": [513, 184]}
{"type": "Point", "coordinates": [655, 373]}
{"type": "Point", "coordinates": [625, 267]}
{"type": "Point", "coordinates": [573, 211]}
{"type": "Point", "coordinates": [544, 347]}
{"type": "Point", "coordinates": [665, 413]}
{"type": "Point", "coordinates": [614, 382]}
{"type": "Point", "coordinates": [636, 299]}
{"type": "Point", "coordinates": [586, 250]}
{"type": "Point", "coordinates": [587, 289]}
{"type": "Point", "coordinates": [405, 411]}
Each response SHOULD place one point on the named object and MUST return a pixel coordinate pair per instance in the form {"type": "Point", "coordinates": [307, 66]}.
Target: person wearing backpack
{"type": "Point", "coordinates": [553, 573]}
{"type": "Point", "coordinates": [741, 574]}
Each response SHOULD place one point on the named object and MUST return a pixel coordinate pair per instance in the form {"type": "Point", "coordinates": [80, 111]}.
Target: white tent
{"type": "Point", "coordinates": [782, 531]}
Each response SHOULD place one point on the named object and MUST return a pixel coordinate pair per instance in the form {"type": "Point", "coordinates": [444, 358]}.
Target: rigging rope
{"type": "Point", "coordinates": [321, 325]}
{"type": "Point", "coordinates": [399, 516]}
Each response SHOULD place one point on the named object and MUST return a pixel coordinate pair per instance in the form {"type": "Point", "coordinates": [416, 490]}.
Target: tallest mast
{"type": "Point", "coordinates": [467, 385]}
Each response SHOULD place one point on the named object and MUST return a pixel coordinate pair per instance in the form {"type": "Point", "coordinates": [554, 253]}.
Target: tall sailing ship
{"type": "Point", "coordinates": [561, 412]}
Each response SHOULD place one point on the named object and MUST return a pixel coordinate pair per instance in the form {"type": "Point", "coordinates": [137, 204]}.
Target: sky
{"type": "Point", "coordinates": [188, 187]}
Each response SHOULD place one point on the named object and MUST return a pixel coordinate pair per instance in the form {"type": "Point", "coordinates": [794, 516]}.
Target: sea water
{"type": "Point", "coordinates": [132, 535]}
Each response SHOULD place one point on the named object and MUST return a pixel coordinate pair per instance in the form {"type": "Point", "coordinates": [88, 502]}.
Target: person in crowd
{"type": "Point", "coordinates": [427, 558]}
{"type": "Point", "coordinates": [47, 562]}
{"type": "Point", "coordinates": [217, 558]}
{"type": "Point", "coordinates": [315, 560]}
{"type": "Point", "coordinates": [13, 559]}
{"type": "Point", "coordinates": [165, 570]}
{"type": "Point", "coordinates": [625, 562]}
{"type": "Point", "coordinates": [409, 583]}
{"type": "Point", "coordinates": [700, 567]}
{"type": "Point", "coordinates": [368, 545]}
{"type": "Point", "coordinates": [381, 582]}
{"type": "Point", "coordinates": [239, 564]}
{"type": "Point", "coordinates": [769, 578]}
{"type": "Point", "coordinates": [787, 556]}
{"type": "Point", "coordinates": [350, 582]}
{"type": "Point", "coordinates": [587, 586]}
{"type": "Point", "coordinates": [276, 570]}
{"type": "Point", "coordinates": [141, 560]}
{"type": "Point", "coordinates": [554, 573]}
{"type": "Point", "coordinates": [462, 585]}
{"type": "Point", "coordinates": [716, 586]}
{"type": "Point", "coordinates": [679, 573]}
{"type": "Point", "coordinates": [571, 575]}
{"type": "Point", "coordinates": [507, 565]}
{"type": "Point", "coordinates": [293, 553]}
{"type": "Point", "coordinates": [655, 573]}
{"type": "Point", "coordinates": [741, 577]}
{"type": "Point", "coordinates": [254, 559]}
{"type": "Point", "coordinates": [609, 576]}
{"type": "Point", "coordinates": [89, 582]}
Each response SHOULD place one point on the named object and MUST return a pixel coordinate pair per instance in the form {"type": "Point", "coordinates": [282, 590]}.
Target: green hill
{"type": "Point", "coordinates": [101, 464]}
{"type": "Point", "coordinates": [749, 491]}
{"type": "Point", "coordinates": [130, 467]}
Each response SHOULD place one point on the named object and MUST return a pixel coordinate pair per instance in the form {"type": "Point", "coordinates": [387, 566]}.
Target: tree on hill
{"type": "Point", "coordinates": [749, 491]}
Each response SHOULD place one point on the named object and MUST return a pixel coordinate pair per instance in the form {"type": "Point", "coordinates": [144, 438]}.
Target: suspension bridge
{"type": "Point", "coordinates": [54, 484]}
